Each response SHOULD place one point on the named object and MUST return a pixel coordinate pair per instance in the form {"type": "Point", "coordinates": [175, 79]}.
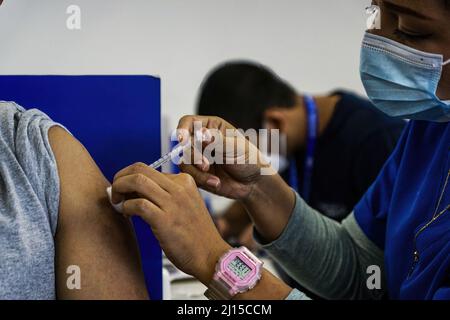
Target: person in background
{"type": "Point", "coordinates": [351, 142]}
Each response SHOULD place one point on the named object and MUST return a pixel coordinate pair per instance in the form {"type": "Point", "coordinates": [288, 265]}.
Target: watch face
{"type": "Point", "coordinates": [239, 268]}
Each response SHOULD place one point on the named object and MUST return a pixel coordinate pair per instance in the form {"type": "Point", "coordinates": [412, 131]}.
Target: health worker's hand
{"type": "Point", "coordinates": [175, 210]}
{"type": "Point", "coordinates": [238, 173]}
{"type": "Point", "coordinates": [230, 165]}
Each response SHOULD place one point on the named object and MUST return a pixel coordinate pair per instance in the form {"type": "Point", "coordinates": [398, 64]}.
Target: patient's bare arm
{"type": "Point", "coordinates": [90, 234]}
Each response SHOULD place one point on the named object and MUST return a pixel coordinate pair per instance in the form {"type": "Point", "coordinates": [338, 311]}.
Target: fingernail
{"type": "Point", "coordinates": [180, 138]}
{"type": "Point", "coordinates": [113, 198]}
{"type": "Point", "coordinates": [213, 182]}
{"type": "Point", "coordinates": [116, 200]}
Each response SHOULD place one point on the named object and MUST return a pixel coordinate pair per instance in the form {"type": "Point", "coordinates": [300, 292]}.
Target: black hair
{"type": "Point", "coordinates": [241, 91]}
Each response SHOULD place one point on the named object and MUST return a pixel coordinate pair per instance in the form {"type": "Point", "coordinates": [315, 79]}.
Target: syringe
{"type": "Point", "coordinates": [176, 152]}
{"type": "Point", "coordinates": [168, 156]}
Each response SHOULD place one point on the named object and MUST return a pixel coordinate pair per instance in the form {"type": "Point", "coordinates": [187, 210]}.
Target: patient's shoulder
{"type": "Point", "coordinates": [24, 131]}
{"type": "Point", "coordinates": [27, 157]}
{"type": "Point", "coordinates": [9, 107]}
{"type": "Point", "coordinates": [29, 198]}
{"type": "Point", "coordinates": [9, 111]}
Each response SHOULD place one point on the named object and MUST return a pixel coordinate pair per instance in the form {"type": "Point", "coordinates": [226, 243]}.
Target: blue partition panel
{"type": "Point", "coordinates": [117, 118]}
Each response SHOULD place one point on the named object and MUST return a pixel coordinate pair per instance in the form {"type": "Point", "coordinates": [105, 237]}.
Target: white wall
{"type": "Point", "coordinates": [312, 43]}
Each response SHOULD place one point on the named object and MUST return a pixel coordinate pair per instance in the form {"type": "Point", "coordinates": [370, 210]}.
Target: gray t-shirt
{"type": "Point", "coordinates": [29, 203]}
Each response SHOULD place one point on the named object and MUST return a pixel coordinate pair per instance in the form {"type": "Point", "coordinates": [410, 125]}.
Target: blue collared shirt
{"type": "Point", "coordinates": [401, 201]}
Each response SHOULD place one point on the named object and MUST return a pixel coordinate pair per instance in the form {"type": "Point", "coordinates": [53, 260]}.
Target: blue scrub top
{"type": "Point", "coordinates": [402, 200]}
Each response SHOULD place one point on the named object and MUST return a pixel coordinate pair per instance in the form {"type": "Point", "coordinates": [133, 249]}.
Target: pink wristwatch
{"type": "Point", "coordinates": [238, 271]}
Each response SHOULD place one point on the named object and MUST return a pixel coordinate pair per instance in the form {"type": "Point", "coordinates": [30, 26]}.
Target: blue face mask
{"type": "Point", "coordinates": [402, 81]}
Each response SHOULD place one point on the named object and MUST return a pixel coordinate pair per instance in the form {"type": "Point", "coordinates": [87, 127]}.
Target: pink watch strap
{"type": "Point", "coordinates": [218, 290]}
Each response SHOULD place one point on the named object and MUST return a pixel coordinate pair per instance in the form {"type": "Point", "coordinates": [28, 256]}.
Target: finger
{"type": "Point", "coordinates": [144, 209]}
{"type": "Point", "coordinates": [142, 168]}
{"type": "Point", "coordinates": [204, 165]}
{"type": "Point", "coordinates": [185, 126]}
{"type": "Point", "coordinates": [238, 150]}
{"type": "Point", "coordinates": [196, 157]}
{"type": "Point", "coordinates": [204, 180]}
{"type": "Point", "coordinates": [142, 185]}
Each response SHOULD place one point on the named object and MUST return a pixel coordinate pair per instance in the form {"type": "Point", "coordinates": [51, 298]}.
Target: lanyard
{"type": "Point", "coordinates": [311, 137]}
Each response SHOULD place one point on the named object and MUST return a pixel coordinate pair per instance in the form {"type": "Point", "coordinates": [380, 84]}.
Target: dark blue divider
{"type": "Point", "coordinates": [117, 118]}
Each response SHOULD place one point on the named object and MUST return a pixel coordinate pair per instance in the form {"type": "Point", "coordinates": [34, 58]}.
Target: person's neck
{"type": "Point", "coordinates": [325, 110]}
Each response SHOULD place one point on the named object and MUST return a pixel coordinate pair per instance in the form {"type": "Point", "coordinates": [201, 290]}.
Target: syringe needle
{"type": "Point", "coordinates": [155, 165]}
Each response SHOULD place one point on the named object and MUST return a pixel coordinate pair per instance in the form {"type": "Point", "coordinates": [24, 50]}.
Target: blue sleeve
{"type": "Point", "coordinates": [297, 295]}
{"type": "Point", "coordinates": [371, 155]}
{"type": "Point", "coordinates": [442, 294]}
{"type": "Point", "coordinates": [372, 210]}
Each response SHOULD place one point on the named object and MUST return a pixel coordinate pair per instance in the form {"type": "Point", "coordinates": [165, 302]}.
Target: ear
{"type": "Point", "coordinates": [275, 118]}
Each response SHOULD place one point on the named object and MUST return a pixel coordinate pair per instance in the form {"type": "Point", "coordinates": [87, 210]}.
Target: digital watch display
{"type": "Point", "coordinates": [238, 271]}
